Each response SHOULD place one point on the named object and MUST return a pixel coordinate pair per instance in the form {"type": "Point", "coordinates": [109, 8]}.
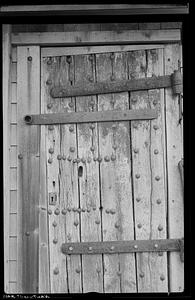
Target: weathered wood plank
{"type": "Point", "coordinates": [28, 95]}
{"type": "Point", "coordinates": [13, 201]}
{"type": "Point", "coordinates": [148, 25]}
{"type": "Point", "coordinates": [94, 37]}
{"type": "Point", "coordinates": [144, 168]}
{"type": "Point", "coordinates": [13, 222]}
{"type": "Point", "coordinates": [117, 223]}
{"type": "Point", "coordinates": [12, 248]}
{"type": "Point", "coordinates": [174, 155]}
{"type": "Point", "coordinates": [13, 287]}
{"type": "Point", "coordinates": [13, 156]}
{"type": "Point", "coordinates": [13, 93]}
{"type": "Point", "coordinates": [13, 179]}
{"type": "Point", "coordinates": [13, 134]}
{"type": "Point", "coordinates": [6, 142]}
{"type": "Point", "coordinates": [170, 25]}
{"type": "Point", "coordinates": [13, 113]}
{"type": "Point", "coordinates": [87, 137]}
{"type": "Point", "coordinates": [14, 72]}
{"type": "Point", "coordinates": [60, 51]}
{"type": "Point", "coordinates": [13, 270]}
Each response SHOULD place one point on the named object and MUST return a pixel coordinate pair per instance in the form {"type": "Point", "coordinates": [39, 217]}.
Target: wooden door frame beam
{"type": "Point", "coordinates": [105, 9]}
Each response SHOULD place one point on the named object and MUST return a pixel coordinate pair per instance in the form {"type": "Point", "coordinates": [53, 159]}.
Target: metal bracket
{"type": "Point", "coordinates": [161, 245]}
{"type": "Point", "coordinates": [174, 80]}
{"type": "Point", "coordinates": [85, 117]}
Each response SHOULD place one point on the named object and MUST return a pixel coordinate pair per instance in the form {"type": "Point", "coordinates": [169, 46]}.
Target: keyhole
{"type": "Point", "coordinates": [80, 171]}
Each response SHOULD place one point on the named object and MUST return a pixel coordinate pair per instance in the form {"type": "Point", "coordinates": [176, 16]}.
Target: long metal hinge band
{"type": "Point", "coordinates": [85, 117]}
{"type": "Point", "coordinates": [174, 80]}
{"type": "Point", "coordinates": [162, 245]}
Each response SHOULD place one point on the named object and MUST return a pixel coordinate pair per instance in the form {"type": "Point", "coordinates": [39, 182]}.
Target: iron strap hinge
{"type": "Point", "coordinates": [85, 89]}
{"type": "Point", "coordinates": [161, 245]}
{"type": "Point", "coordinates": [85, 117]}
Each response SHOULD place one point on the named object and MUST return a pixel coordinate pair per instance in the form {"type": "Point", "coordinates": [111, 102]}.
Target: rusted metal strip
{"type": "Point", "coordinates": [124, 246]}
{"type": "Point", "coordinates": [174, 80]}
{"type": "Point", "coordinates": [86, 117]}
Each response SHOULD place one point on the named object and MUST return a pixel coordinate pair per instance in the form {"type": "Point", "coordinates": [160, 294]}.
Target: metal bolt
{"type": "Point", "coordinates": [56, 271]}
{"type": "Point", "coordinates": [88, 210]}
{"type": "Point", "coordinates": [135, 125]}
{"type": "Point", "coordinates": [158, 201]}
{"type": "Point", "coordinates": [116, 225]}
{"type": "Point", "coordinates": [135, 246]}
{"type": "Point", "coordinates": [107, 210]}
{"type": "Point", "coordinates": [141, 274]}
{"type": "Point", "coordinates": [136, 150]}
{"type": "Point", "coordinates": [20, 156]}
{"type": "Point", "coordinates": [71, 128]}
{"type": "Point", "coordinates": [49, 211]}
{"type": "Point", "coordinates": [155, 151]}
{"type": "Point", "coordinates": [49, 82]}
{"type": "Point", "coordinates": [50, 127]}
{"type": "Point", "coordinates": [27, 233]}
{"type": "Point", "coordinates": [89, 159]}
{"type": "Point", "coordinates": [113, 157]}
{"type": "Point", "coordinates": [92, 126]}
{"type": "Point", "coordinates": [78, 270]}
{"type": "Point", "coordinates": [112, 77]}
{"type": "Point", "coordinates": [69, 158]}
{"type": "Point", "coordinates": [76, 223]}
{"type": "Point", "coordinates": [69, 209]}
{"type": "Point", "coordinates": [64, 211]}
{"type": "Point", "coordinates": [83, 209]}
{"type": "Point", "coordinates": [107, 158]}
{"type": "Point", "coordinates": [68, 59]}
{"type": "Point", "coordinates": [162, 277]}
{"type": "Point", "coordinates": [83, 160]}
{"type": "Point", "coordinates": [49, 105]}
{"type": "Point", "coordinates": [71, 104]}
{"type": "Point", "coordinates": [138, 199]}
{"type": "Point", "coordinates": [59, 157]}
{"type": "Point", "coordinates": [64, 157]}
{"type": "Point", "coordinates": [29, 58]}
{"type": "Point", "coordinates": [160, 228]}
{"type": "Point", "coordinates": [92, 148]}
{"type": "Point", "coordinates": [155, 127]}
{"type": "Point", "coordinates": [70, 248]}
{"type": "Point", "coordinates": [50, 160]}
{"type": "Point", "coordinates": [51, 150]}
{"type": "Point", "coordinates": [156, 246]}
{"type": "Point", "coordinates": [55, 241]}
{"type": "Point", "coordinates": [157, 178]}
{"type": "Point", "coordinates": [112, 211]}
{"type": "Point", "coordinates": [97, 221]}
{"type": "Point", "coordinates": [139, 225]}
{"type": "Point", "coordinates": [90, 248]}
{"type": "Point", "coordinates": [57, 211]}
{"type": "Point", "coordinates": [99, 159]}
{"type": "Point", "coordinates": [137, 176]}
{"type": "Point", "coordinates": [54, 224]}
{"type": "Point", "coordinates": [112, 248]}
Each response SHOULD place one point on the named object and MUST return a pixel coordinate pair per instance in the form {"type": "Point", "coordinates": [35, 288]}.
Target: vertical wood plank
{"type": "Point", "coordinates": [6, 143]}
{"type": "Point", "coordinates": [12, 248]}
{"type": "Point", "coordinates": [174, 154]}
{"type": "Point", "coordinates": [28, 95]}
{"type": "Point", "coordinates": [148, 188]}
{"type": "Point", "coordinates": [13, 287]}
{"type": "Point", "coordinates": [89, 181]}
{"type": "Point", "coordinates": [114, 144]}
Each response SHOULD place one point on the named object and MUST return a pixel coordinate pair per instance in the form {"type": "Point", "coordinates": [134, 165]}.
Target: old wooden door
{"type": "Point", "coordinates": [109, 181]}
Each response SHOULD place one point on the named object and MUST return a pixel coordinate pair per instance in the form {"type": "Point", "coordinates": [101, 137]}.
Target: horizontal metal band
{"type": "Point", "coordinates": [106, 87]}
{"type": "Point", "coordinates": [85, 117]}
{"type": "Point", "coordinates": [124, 246]}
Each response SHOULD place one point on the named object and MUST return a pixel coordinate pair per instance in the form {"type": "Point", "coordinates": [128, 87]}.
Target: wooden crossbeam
{"type": "Point", "coordinates": [85, 117]}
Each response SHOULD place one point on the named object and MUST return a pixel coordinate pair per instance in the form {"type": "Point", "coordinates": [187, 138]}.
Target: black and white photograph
{"type": "Point", "coordinates": [93, 149]}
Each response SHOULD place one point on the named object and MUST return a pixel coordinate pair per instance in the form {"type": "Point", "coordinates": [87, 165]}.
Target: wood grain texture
{"type": "Point", "coordinates": [174, 155]}
{"type": "Point", "coordinates": [28, 76]}
{"type": "Point", "coordinates": [96, 37]}
{"type": "Point", "coordinates": [115, 183]}
{"type": "Point", "coordinates": [146, 166]}
{"type": "Point", "coordinates": [6, 143]}
{"type": "Point", "coordinates": [92, 269]}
